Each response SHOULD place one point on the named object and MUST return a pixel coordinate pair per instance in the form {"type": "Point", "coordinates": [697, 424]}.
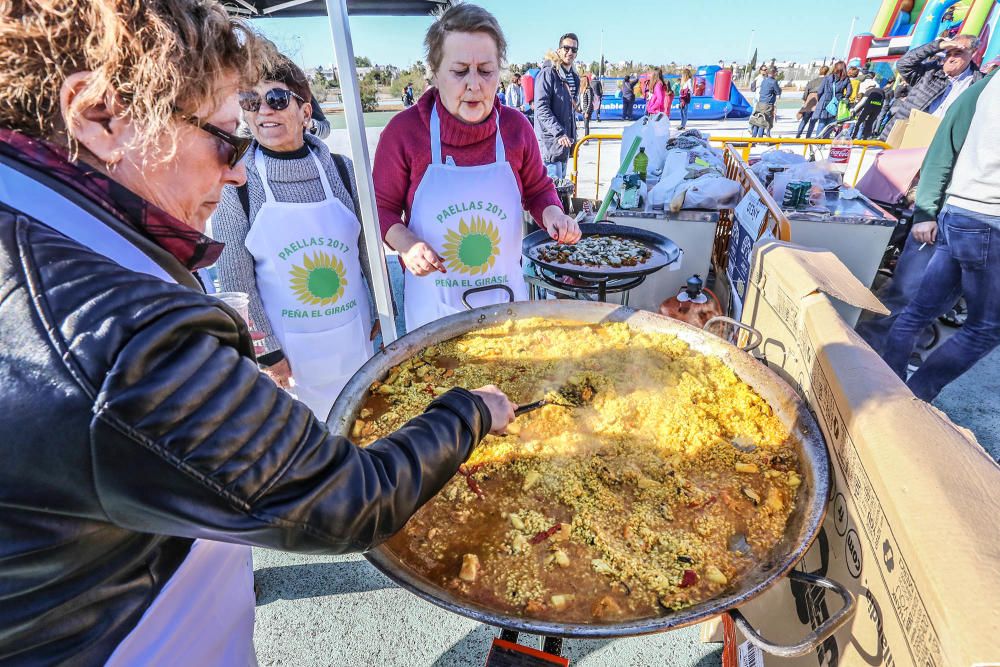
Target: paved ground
{"type": "Point", "coordinates": [341, 611]}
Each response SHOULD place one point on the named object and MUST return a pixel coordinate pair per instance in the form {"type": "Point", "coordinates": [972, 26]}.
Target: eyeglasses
{"type": "Point", "coordinates": [235, 145]}
{"type": "Point", "coordinates": [571, 49]}
{"type": "Point", "coordinates": [276, 98]}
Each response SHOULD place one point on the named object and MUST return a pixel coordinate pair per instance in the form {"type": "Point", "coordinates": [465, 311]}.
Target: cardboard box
{"type": "Point", "coordinates": [920, 130]}
{"type": "Point", "coordinates": [913, 524]}
{"type": "Point", "coordinates": [895, 137]}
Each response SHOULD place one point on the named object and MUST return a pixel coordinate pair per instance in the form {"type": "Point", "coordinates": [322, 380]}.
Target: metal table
{"type": "Point", "coordinates": [856, 230]}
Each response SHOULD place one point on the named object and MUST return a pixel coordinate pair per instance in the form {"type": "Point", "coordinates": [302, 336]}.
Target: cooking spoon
{"type": "Point", "coordinates": [575, 394]}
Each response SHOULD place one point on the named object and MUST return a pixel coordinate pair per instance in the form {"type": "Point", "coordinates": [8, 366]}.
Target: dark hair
{"type": "Point", "coordinates": [463, 17]}
{"type": "Point", "coordinates": [570, 35]}
{"type": "Point", "coordinates": [283, 70]}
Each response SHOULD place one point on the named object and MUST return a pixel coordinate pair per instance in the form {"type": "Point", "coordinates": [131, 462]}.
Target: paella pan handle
{"type": "Point", "coordinates": [755, 337]}
{"type": "Point", "coordinates": [486, 288]}
{"type": "Point", "coordinates": [814, 638]}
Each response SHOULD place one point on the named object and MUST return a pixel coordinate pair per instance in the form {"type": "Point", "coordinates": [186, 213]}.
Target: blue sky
{"type": "Point", "coordinates": [696, 31]}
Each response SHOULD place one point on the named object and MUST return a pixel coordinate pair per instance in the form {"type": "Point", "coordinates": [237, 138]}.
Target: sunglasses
{"type": "Point", "coordinates": [571, 49]}
{"type": "Point", "coordinates": [276, 98]}
{"type": "Point", "coordinates": [235, 146]}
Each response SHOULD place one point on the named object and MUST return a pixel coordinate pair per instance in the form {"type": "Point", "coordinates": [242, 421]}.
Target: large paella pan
{"type": "Point", "coordinates": [715, 537]}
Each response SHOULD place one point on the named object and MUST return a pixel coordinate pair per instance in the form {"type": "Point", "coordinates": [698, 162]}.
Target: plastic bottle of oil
{"type": "Point", "coordinates": [641, 163]}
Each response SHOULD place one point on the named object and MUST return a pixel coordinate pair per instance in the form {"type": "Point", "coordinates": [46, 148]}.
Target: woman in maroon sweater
{"type": "Point", "coordinates": [453, 173]}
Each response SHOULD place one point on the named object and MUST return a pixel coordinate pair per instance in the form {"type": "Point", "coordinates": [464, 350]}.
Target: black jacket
{"type": "Point", "coordinates": [555, 112]}
{"type": "Point", "coordinates": [926, 79]}
{"type": "Point", "coordinates": [135, 420]}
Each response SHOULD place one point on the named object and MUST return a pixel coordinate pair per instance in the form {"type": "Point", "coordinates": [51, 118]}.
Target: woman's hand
{"type": "Point", "coordinates": [500, 407]}
{"type": "Point", "coordinates": [925, 232]}
{"type": "Point", "coordinates": [280, 372]}
{"type": "Point", "coordinates": [421, 259]}
{"type": "Point", "coordinates": [418, 256]}
{"type": "Point", "coordinates": [560, 226]}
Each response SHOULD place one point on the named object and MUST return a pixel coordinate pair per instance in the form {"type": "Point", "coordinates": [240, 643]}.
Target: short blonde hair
{"type": "Point", "coordinates": [462, 17]}
{"type": "Point", "coordinates": [159, 58]}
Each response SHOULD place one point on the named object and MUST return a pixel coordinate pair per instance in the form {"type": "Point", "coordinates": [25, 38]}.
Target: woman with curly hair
{"type": "Point", "coordinates": [143, 450]}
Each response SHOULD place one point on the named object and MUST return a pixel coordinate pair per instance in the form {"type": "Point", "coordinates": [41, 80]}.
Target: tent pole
{"type": "Point", "coordinates": [343, 51]}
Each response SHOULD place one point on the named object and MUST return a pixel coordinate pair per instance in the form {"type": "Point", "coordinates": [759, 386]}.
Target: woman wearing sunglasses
{"type": "Point", "coordinates": [143, 451]}
{"type": "Point", "coordinates": [453, 173]}
{"type": "Point", "coordinates": [295, 245]}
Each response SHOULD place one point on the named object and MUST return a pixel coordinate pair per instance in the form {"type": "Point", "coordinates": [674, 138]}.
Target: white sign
{"type": "Point", "coordinates": [750, 212]}
{"type": "Point", "coordinates": [749, 655]}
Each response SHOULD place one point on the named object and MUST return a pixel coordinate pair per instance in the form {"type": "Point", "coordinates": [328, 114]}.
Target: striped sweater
{"type": "Point", "coordinates": [292, 178]}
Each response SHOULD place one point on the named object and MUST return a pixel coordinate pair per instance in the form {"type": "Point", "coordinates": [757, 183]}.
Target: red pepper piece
{"type": "Point", "coordinates": [690, 578]}
{"type": "Point", "coordinates": [429, 389]}
{"type": "Point", "coordinates": [545, 534]}
{"type": "Point", "coordinates": [474, 486]}
{"type": "Point", "coordinates": [704, 503]}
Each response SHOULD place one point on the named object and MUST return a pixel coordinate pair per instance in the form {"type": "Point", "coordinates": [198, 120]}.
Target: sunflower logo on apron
{"type": "Point", "coordinates": [473, 248]}
{"type": "Point", "coordinates": [320, 281]}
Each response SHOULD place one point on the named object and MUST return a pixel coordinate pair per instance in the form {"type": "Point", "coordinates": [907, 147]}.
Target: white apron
{"type": "Point", "coordinates": [310, 281]}
{"type": "Point", "coordinates": [471, 216]}
{"type": "Point", "coordinates": [204, 614]}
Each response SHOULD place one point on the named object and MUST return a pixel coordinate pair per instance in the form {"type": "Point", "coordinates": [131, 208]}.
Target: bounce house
{"type": "Point", "coordinates": [902, 25]}
{"type": "Point", "coordinates": [715, 97]}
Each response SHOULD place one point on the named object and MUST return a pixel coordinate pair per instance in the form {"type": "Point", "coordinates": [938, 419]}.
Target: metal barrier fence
{"type": "Point", "coordinates": [744, 143]}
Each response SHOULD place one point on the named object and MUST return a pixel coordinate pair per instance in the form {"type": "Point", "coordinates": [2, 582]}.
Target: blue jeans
{"type": "Point", "coordinates": [756, 131]}
{"type": "Point", "coordinates": [684, 115]}
{"type": "Point", "coordinates": [806, 124]}
{"type": "Point", "coordinates": [627, 109]}
{"type": "Point", "coordinates": [898, 292]}
{"type": "Point", "coordinates": [967, 258]}
{"type": "Point", "coordinates": [556, 169]}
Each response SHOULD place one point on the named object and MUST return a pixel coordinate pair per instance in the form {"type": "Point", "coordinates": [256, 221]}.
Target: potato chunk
{"type": "Point", "coordinates": [715, 575]}
{"type": "Point", "coordinates": [470, 568]}
{"type": "Point", "coordinates": [561, 601]}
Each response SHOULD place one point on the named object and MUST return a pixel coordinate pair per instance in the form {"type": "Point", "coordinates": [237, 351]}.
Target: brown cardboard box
{"type": "Point", "coordinates": [913, 524]}
{"type": "Point", "coordinates": [895, 137]}
{"type": "Point", "coordinates": [920, 130]}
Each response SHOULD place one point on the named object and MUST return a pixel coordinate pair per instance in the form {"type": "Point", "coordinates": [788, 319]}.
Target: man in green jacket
{"type": "Point", "coordinates": [957, 210]}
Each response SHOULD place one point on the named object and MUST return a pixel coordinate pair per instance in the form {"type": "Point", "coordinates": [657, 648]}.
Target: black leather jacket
{"type": "Point", "coordinates": [134, 420]}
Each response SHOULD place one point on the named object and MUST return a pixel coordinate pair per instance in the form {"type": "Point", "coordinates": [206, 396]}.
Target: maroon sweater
{"type": "Point", "coordinates": [404, 152]}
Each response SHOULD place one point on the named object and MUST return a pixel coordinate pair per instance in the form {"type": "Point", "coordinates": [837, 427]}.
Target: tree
{"type": "Point", "coordinates": [369, 92]}
{"type": "Point", "coordinates": [413, 76]}
{"type": "Point", "coordinates": [752, 67]}
{"type": "Point", "coordinates": [320, 86]}
{"type": "Point", "coordinates": [362, 61]}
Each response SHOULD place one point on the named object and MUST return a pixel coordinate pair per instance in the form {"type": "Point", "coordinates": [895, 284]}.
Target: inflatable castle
{"type": "Point", "coordinates": [715, 96]}
{"type": "Point", "coordinates": [902, 25]}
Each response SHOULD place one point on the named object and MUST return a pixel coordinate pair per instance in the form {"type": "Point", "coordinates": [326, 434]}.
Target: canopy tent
{"type": "Point", "coordinates": [291, 8]}
{"type": "Point", "coordinates": [343, 51]}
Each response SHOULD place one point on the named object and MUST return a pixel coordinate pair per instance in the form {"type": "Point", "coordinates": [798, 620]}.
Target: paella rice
{"type": "Point", "coordinates": [672, 481]}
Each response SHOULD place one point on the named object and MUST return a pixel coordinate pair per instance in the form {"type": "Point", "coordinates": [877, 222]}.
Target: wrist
{"type": "Point", "coordinates": [400, 238]}
{"type": "Point", "coordinates": [549, 214]}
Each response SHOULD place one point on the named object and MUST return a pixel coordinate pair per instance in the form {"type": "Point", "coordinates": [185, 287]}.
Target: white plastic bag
{"type": "Point", "coordinates": [654, 132]}
{"type": "Point", "coordinates": [711, 191]}
{"type": "Point", "coordinates": [674, 172]}
{"type": "Point", "coordinates": [821, 175]}
{"type": "Point", "coordinates": [775, 158]}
